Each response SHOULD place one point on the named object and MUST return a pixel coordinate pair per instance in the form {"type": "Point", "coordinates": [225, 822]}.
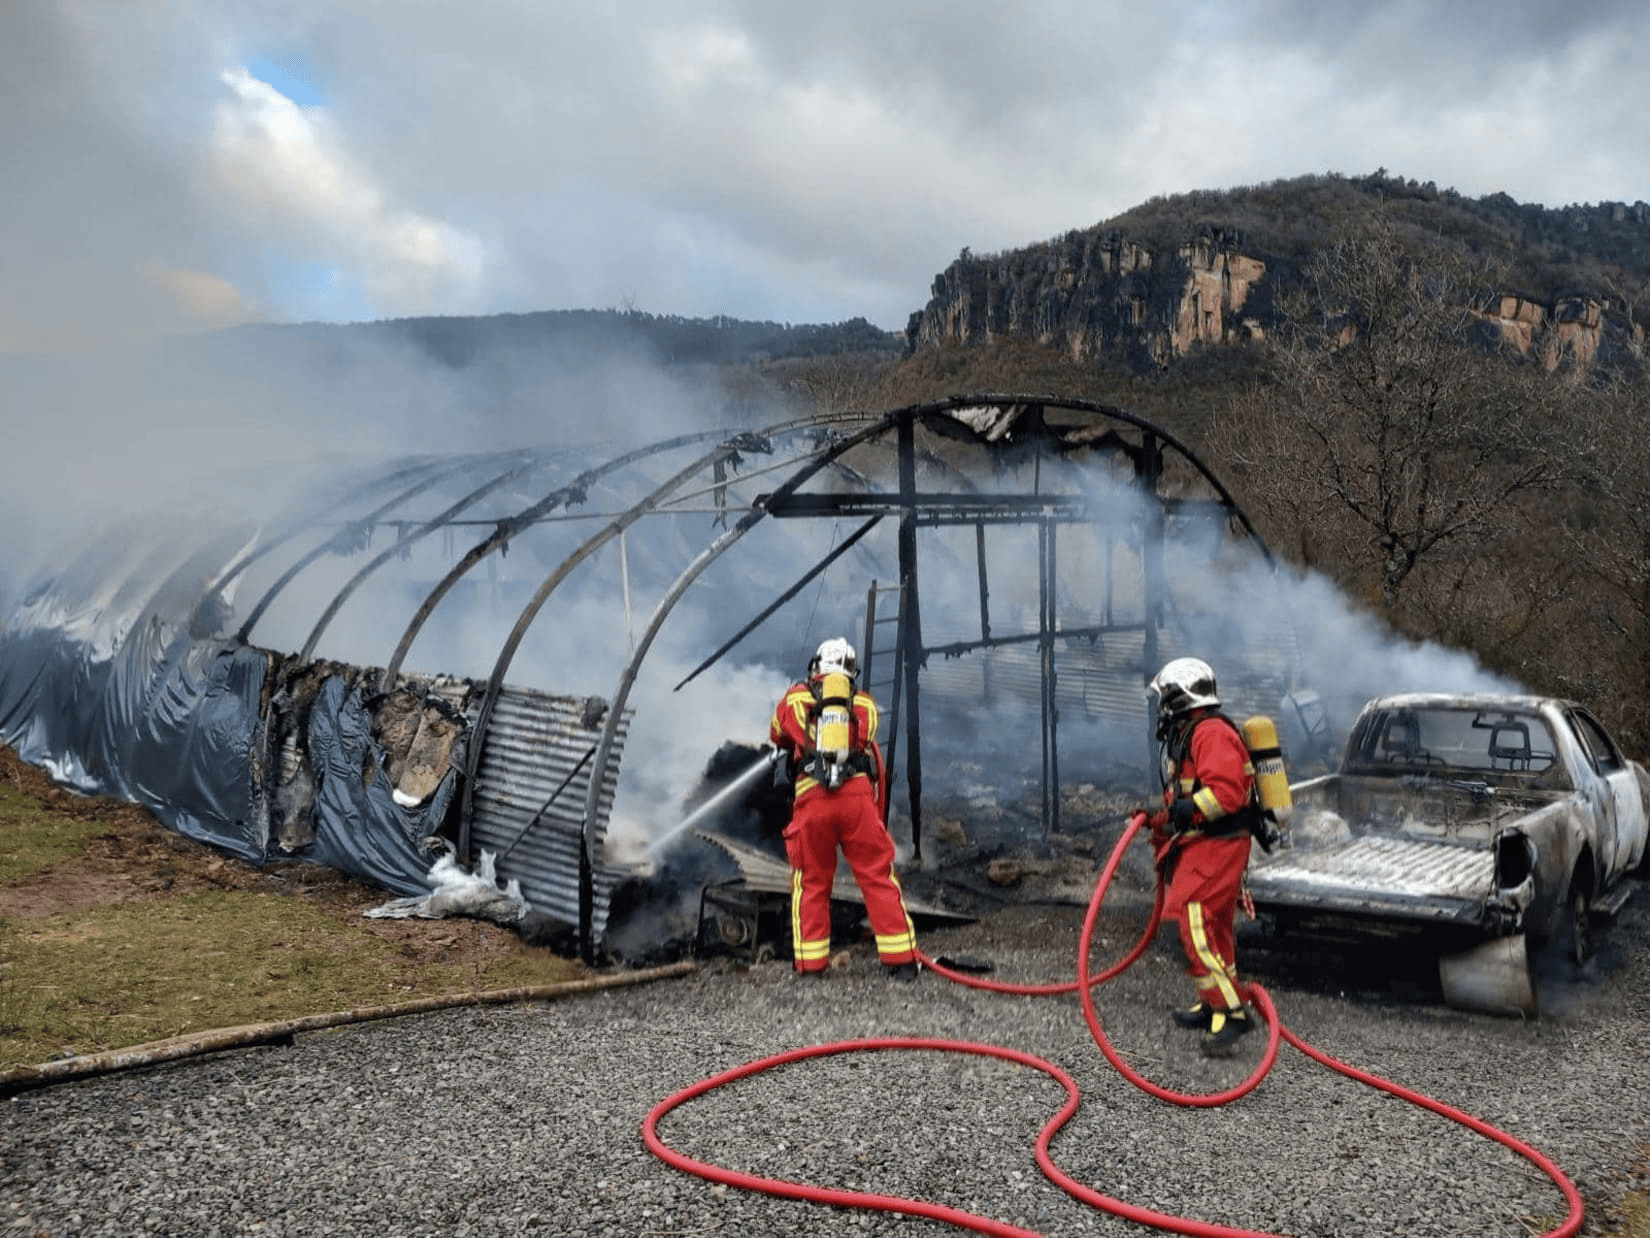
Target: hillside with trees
{"type": "Point", "coordinates": [1438, 403]}
{"type": "Point", "coordinates": [670, 339]}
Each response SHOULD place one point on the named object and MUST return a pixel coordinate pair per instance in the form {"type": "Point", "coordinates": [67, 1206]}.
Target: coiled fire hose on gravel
{"type": "Point", "coordinates": [1083, 986]}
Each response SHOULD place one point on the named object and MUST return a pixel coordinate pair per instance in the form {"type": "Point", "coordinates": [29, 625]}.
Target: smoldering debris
{"type": "Point", "coordinates": [655, 911]}
{"type": "Point", "coordinates": [675, 907]}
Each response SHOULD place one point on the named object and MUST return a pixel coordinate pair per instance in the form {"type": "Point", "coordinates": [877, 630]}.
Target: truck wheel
{"type": "Point", "coordinates": [1574, 938]}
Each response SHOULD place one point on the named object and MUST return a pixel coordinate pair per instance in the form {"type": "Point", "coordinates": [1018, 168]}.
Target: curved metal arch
{"type": "Point", "coordinates": [1139, 423]}
{"type": "Point", "coordinates": [610, 724]}
{"type": "Point", "coordinates": [440, 471]}
{"type": "Point", "coordinates": [507, 652]}
{"type": "Point", "coordinates": [525, 464]}
{"type": "Point", "coordinates": [295, 525]}
{"type": "Point", "coordinates": [507, 529]}
{"type": "Point", "coordinates": [726, 448]}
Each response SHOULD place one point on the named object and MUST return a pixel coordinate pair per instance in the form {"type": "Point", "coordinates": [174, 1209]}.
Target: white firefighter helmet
{"type": "Point", "coordinates": [834, 656]}
{"type": "Point", "coordinates": [1181, 686]}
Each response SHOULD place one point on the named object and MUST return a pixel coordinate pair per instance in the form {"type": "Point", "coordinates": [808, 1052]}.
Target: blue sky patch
{"type": "Point", "coordinates": [293, 76]}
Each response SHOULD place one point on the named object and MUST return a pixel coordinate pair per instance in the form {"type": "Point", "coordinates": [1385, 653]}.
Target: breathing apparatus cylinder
{"type": "Point", "coordinates": [834, 729]}
{"type": "Point", "coordinates": [1271, 782]}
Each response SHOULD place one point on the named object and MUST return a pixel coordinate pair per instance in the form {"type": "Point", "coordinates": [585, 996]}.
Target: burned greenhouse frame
{"type": "Point", "coordinates": [350, 760]}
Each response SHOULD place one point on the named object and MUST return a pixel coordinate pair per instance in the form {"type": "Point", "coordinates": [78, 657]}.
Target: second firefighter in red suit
{"type": "Point", "coordinates": [1201, 836]}
{"type": "Point", "coordinates": [851, 815]}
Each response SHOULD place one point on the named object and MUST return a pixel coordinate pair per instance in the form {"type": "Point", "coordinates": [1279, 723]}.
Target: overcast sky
{"type": "Point", "coordinates": [178, 164]}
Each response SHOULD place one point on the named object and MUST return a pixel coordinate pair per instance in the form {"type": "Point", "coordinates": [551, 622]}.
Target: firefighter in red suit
{"type": "Point", "coordinates": [1201, 837]}
{"type": "Point", "coordinates": [827, 727]}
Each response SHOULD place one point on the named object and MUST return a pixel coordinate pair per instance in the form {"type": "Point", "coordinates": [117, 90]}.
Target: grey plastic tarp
{"type": "Point", "coordinates": [171, 720]}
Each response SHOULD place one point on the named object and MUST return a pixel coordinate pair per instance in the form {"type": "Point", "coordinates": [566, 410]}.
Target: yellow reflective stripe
{"type": "Point", "coordinates": [800, 703]}
{"type": "Point", "coordinates": [891, 943]}
{"type": "Point", "coordinates": [873, 719]}
{"type": "Point", "coordinates": [1208, 804]}
{"type": "Point", "coordinates": [796, 912]}
{"type": "Point", "coordinates": [1186, 785]}
{"type": "Point", "coordinates": [1217, 966]}
{"type": "Point", "coordinates": [805, 951]}
{"type": "Point", "coordinates": [898, 943]}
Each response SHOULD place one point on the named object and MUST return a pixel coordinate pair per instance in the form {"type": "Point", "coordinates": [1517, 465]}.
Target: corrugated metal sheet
{"type": "Point", "coordinates": [537, 763]}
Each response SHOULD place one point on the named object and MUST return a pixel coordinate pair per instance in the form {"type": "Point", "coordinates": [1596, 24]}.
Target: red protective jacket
{"type": "Point", "coordinates": [789, 730]}
{"type": "Point", "coordinates": [1214, 771]}
{"type": "Point", "coordinates": [1203, 860]}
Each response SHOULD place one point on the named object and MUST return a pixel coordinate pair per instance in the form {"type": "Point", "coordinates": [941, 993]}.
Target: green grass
{"type": "Point", "coordinates": [119, 974]}
{"type": "Point", "coordinates": [1634, 1217]}
{"type": "Point", "coordinates": [130, 973]}
{"type": "Point", "coordinates": [33, 839]}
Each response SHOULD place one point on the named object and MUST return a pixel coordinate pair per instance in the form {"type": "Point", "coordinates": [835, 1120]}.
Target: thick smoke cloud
{"type": "Point", "coordinates": [220, 436]}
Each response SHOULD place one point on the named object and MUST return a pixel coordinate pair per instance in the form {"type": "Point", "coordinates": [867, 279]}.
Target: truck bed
{"type": "Point", "coordinates": [1407, 878]}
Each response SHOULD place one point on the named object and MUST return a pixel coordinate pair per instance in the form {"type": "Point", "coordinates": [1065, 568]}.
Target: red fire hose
{"type": "Point", "coordinates": [1083, 986]}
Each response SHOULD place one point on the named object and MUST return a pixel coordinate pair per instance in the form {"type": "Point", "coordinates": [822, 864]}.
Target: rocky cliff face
{"type": "Point", "coordinates": [1098, 296]}
{"type": "Point", "coordinates": [1572, 328]}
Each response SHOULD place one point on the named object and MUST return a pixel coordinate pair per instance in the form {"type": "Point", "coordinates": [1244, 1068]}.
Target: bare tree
{"type": "Point", "coordinates": [1393, 430]}
{"type": "Point", "coordinates": [838, 382]}
{"type": "Point", "coordinates": [1606, 532]}
{"type": "Point", "coordinates": [1630, 293]}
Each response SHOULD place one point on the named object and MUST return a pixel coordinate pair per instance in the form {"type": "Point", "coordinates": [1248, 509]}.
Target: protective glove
{"type": "Point", "coordinates": [1161, 835]}
{"type": "Point", "coordinates": [1181, 813]}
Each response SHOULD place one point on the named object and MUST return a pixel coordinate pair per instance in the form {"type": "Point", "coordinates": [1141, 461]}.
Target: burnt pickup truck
{"type": "Point", "coordinates": [1501, 825]}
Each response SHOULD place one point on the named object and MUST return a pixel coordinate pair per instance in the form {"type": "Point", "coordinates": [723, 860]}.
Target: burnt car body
{"type": "Point", "coordinates": [1502, 822]}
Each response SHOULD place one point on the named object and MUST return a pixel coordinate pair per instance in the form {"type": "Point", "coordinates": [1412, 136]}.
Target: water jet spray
{"type": "Point", "coordinates": [765, 761]}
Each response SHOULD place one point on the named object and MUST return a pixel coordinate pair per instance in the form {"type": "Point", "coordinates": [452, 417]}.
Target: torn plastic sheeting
{"type": "Point", "coordinates": [171, 722]}
{"type": "Point", "coordinates": [359, 827]}
{"type": "Point", "coordinates": [37, 667]}
{"type": "Point", "coordinates": [179, 719]}
{"type": "Point", "coordinates": [455, 892]}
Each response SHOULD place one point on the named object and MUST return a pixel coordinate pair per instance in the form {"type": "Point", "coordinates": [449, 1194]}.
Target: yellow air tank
{"type": "Point", "coordinates": [834, 738]}
{"type": "Point", "coordinates": [1261, 737]}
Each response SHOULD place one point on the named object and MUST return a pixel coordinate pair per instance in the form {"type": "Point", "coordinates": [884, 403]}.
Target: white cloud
{"type": "Point", "coordinates": [693, 60]}
{"type": "Point", "coordinates": [774, 160]}
{"type": "Point", "coordinates": [290, 165]}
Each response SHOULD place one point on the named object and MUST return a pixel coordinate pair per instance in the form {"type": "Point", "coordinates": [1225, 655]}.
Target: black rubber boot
{"type": "Point", "coordinates": [1195, 1019]}
{"type": "Point", "coordinates": [1225, 1029]}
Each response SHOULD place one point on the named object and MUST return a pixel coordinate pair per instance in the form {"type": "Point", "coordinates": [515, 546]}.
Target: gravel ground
{"type": "Point", "coordinates": [526, 1119]}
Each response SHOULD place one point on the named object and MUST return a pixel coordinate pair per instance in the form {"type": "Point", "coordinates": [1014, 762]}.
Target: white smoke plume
{"type": "Point", "coordinates": [218, 435]}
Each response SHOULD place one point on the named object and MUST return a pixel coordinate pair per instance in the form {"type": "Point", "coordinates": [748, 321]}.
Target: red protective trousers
{"type": "Point", "coordinates": [1202, 899]}
{"type": "Point", "coordinates": [1213, 771]}
{"type": "Point", "coordinates": [848, 818]}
